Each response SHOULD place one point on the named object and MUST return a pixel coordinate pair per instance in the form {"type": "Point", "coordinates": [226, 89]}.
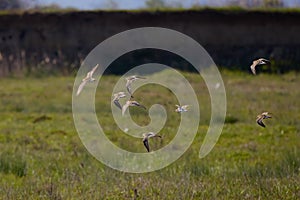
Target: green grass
{"type": "Point", "coordinates": [12, 163]}
{"type": "Point", "coordinates": [42, 157]}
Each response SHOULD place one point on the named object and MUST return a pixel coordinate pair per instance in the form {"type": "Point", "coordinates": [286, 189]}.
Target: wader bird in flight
{"type": "Point", "coordinates": [260, 61]}
{"type": "Point", "coordinates": [181, 109]}
{"type": "Point", "coordinates": [131, 103]}
{"type": "Point", "coordinates": [88, 78]}
{"type": "Point", "coordinates": [116, 98]}
{"type": "Point", "coordinates": [259, 118]}
{"type": "Point", "coordinates": [146, 137]}
{"type": "Point", "coordinates": [130, 80]}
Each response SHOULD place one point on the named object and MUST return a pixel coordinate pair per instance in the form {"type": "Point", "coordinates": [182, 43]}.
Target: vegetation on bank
{"type": "Point", "coordinates": [230, 9]}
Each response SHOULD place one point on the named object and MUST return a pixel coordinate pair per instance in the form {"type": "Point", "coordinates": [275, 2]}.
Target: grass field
{"type": "Point", "coordinates": [42, 157]}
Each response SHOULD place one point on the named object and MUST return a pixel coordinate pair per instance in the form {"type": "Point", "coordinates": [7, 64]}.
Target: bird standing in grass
{"type": "Point", "coordinates": [146, 137]}
{"type": "Point", "coordinates": [116, 98]}
{"type": "Point", "coordinates": [261, 117]}
{"type": "Point", "coordinates": [181, 109]}
{"type": "Point", "coordinates": [130, 80]}
{"type": "Point", "coordinates": [131, 103]}
{"type": "Point", "coordinates": [88, 78]}
{"type": "Point", "coordinates": [257, 62]}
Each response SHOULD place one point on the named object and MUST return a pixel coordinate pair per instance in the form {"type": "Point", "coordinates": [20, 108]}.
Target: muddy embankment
{"type": "Point", "coordinates": [31, 42]}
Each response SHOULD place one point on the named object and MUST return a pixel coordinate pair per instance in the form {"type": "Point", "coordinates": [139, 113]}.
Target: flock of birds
{"type": "Point", "coordinates": [179, 108]}
{"type": "Point", "coordinates": [264, 115]}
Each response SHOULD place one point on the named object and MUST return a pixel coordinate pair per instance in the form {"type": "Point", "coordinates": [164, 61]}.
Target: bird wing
{"type": "Point", "coordinates": [130, 78]}
{"type": "Point", "coordinates": [150, 134]}
{"type": "Point", "coordinates": [117, 103]}
{"type": "Point", "coordinates": [252, 67]}
{"type": "Point", "coordinates": [128, 86]}
{"type": "Point", "coordinates": [265, 60]}
{"type": "Point", "coordinates": [82, 84]}
{"type": "Point", "coordinates": [267, 114]}
{"type": "Point", "coordinates": [146, 144]}
{"type": "Point", "coordinates": [138, 104]}
{"type": "Point", "coordinates": [124, 108]}
{"type": "Point", "coordinates": [267, 117]}
{"type": "Point", "coordinates": [140, 77]}
{"type": "Point", "coordinates": [260, 122]}
{"type": "Point", "coordinates": [121, 94]}
{"type": "Point", "coordinates": [94, 69]}
{"type": "Point", "coordinates": [155, 135]}
{"type": "Point", "coordinates": [185, 106]}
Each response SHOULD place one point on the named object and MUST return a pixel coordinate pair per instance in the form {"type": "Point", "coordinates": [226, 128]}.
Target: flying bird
{"type": "Point", "coordinates": [88, 78]}
{"type": "Point", "coordinates": [181, 109]}
{"type": "Point", "coordinates": [131, 103]}
{"type": "Point", "coordinates": [116, 98]}
{"type": "Point", "coordinates": [146, 137]}
{"type": "Point", "coordinates": [130, 80]}
{"type": "Point", "coordinates": [260, 61]}
{"type": "Point", "coordinates": [259, 118]}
